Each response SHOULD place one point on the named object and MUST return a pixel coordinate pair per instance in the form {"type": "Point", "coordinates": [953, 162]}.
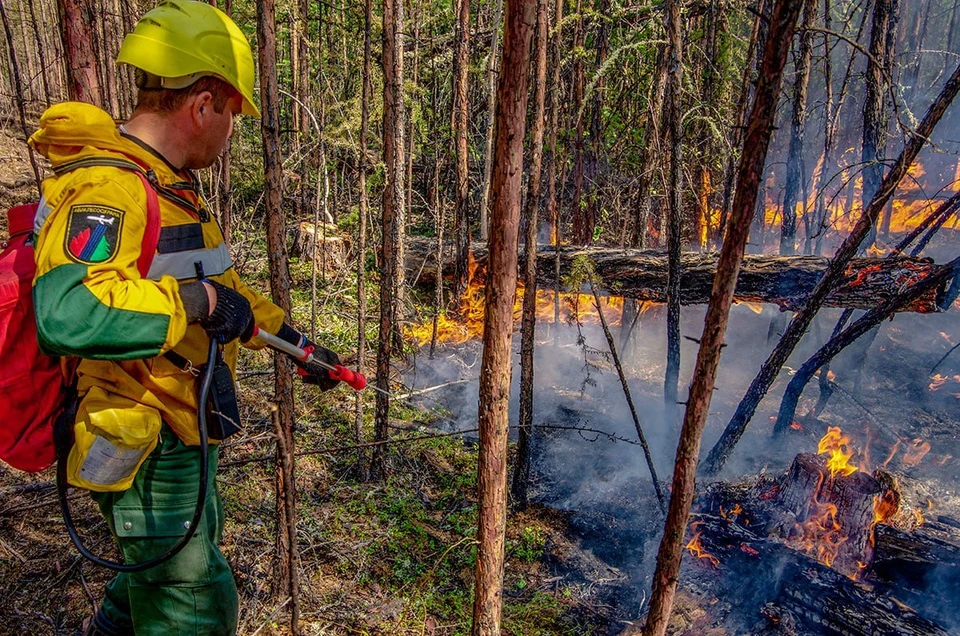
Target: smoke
{"type": "Point", "coordinates": [605, 485]}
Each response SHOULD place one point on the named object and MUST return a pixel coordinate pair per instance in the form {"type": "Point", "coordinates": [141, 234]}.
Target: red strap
{"type": "Point", "coordinates": [151, 236]}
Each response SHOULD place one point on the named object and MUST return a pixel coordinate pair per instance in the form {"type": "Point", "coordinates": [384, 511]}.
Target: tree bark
{"type": "Point", "coordinates": [362, 167]}
{"type": "Point", "coordinates": [521, 474]}
{"type": "Point", "coordinates": [674, 54]}
{"type": "Point", "coordinates": [795, 167]}
{"type": "Point", "coordinates": [496, 366]}
{"type": "Point", "coordinates": [287, 581]}
{"type": "Point", "coordinates": [785, 281]}
{"type": "Point", "coordinates": [493, 64]}
{"type": "Point", "coordinates": [879, 69]}
{"type": "Point", "coordinates": [798, 326]}
{"type": "Point", "coordinates": [836, 344]}
{"type": "Point", "coordinates": [83, 82]}
{"type": "Point", "coordinates": [760, 126]}
{"type": "Point", "coordinates": [461, 224]}
{"type": "Point", "coordinates": [392, 218]}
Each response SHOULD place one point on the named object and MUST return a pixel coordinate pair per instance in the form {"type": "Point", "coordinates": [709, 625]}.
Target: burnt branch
{"type": "Point", "coordinates": [839, 342]}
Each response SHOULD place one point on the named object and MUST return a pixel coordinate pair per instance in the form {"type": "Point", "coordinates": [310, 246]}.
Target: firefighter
{"type": "Point", "coordinates": [141, 338]}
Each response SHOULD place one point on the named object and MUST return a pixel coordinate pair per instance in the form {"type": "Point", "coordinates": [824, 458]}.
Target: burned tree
{"type": "Point", "coordinates": [757, 139]}
{"type": "Point", "coordinates": [798, 325]}
{"type": "Point", "coordinates": [392, 216]}
{"type": "Point", "coordinates": [839, 341]}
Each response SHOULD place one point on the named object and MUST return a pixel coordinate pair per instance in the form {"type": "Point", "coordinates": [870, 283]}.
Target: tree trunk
{"type": "Point", "coordinates": [18, 97]}
{"type": "Point", "coordinates": [879, 69]}
{"type": "Point", "coordinates": [496, 366]}
{"type": "Point", "coordinates": [798, 326]}
{"type": "Point", "coordinates": [83, 83]}
{"type": "Point", "coordinates": [461, 223]}
{"type": "Point", "coordinates": [757, 44]}
{"type": "Point", "coordinates": [362, 168]}
{"type": "Point", "coordinates": [749, 173]}
{"type": "Point", "coordinates": [553, 209]}
{"type": "Point", "coordinates": [392, 217]}
{"type": "Point", "coordinates": [521, 474]}
{"type": "Point", "coordinates": [40, 53]}
{"type": "Point", "coordinates": [287, 581]}
{"type": "Point", "coordinates": [795, 167]}
{"type": "Point", "coordinates": [493, 64]}
{"type": "Point", "coordinates": [785, 281]}
{"type": "Point", "coordinates": [674, 54]}
{"type": "Point", "coordinates": [651, 149]}
{"type": "Point", "coordinates": [579, 225]}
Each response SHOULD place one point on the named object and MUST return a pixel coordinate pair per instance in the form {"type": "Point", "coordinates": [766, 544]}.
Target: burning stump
{"type": "Point", "coordinates": [831, 516]}
{"type": "Point", "coordinates": [328, 247]}
{"type": "Point", "coordinates": [810, 547]}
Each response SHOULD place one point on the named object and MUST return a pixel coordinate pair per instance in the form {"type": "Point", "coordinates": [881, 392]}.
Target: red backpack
{"type": "Point", "coordinates": [33, 386]}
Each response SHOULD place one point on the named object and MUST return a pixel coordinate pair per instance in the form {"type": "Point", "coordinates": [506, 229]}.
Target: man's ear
{"type": "Point", "coordinates": [200, 105]}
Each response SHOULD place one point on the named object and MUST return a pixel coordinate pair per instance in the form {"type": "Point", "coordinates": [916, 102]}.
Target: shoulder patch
{"type": "Point", "coordinates": [92, 233]}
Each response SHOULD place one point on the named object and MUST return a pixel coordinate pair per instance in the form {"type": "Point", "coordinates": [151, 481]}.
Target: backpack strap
{"type": "Point", "coordinates": [151, 236]}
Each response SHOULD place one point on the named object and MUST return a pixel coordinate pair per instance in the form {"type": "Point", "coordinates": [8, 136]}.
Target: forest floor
{"type": "Point", "coordinates": [397, 557]}
{"type": "Point", "coordinates": [394, 557]}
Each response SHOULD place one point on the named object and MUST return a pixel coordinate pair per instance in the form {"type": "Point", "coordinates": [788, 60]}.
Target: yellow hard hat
{"type": "Point", "coordinates": [181, 41]}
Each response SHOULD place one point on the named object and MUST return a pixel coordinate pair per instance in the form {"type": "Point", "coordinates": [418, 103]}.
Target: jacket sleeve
{"type": "Point", "coordinates": [90, 300]}
{"type": "Point", "coordinates": [266, 315]}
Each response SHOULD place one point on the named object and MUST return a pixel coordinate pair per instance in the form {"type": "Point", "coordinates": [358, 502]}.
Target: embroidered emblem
{"type": "Point", "coordinates": [92, 233]}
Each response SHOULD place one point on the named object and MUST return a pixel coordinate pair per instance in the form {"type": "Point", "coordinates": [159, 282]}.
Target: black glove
{"type": "Point", "coordinates": [231, 318]}
{"type": "Point", "coordinates": [311, 373]}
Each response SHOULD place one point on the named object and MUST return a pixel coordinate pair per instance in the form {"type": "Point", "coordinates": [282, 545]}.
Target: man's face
{"type": "Point", "coordinates": [214, 129]}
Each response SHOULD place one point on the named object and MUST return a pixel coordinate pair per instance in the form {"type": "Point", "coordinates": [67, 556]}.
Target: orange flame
{"type": "Point", "coordinates": [842, 200]}
{"type": "Point", "coordinates": [697, 550]}
{"type": "Point", "coordinates": [820, 536]}
{"type": "Point", "coordinates": [573, 307]}
{"type": "Point", "coordinates": [937, 380]}
{"type": "Point", "coordinates": [885, 505]}
{"type": "Point", "coordinates": [915, 452]}
{"type": "Point", "coordinates": [837, 445]}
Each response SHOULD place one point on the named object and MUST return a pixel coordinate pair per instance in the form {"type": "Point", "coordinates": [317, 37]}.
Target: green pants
{"type": "Point", "coordinates": [194, 592]}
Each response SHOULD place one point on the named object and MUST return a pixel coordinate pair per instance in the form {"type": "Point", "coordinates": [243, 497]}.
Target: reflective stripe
{"type": "Point", "coordinates": [43, 211]}
{"type": "Point", "coordinates": [181, 265]}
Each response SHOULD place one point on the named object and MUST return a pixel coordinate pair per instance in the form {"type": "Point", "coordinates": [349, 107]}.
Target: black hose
{"type": "Point", "coordinates": [201, 494]}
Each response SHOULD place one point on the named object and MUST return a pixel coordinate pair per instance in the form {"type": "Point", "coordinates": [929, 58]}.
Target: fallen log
{"type": "Point", "coordinates": [764, 573]}
{"type": "Point", "coordinates": [920, 568]}
{"type": "Point", "coordinates": [642, 275]}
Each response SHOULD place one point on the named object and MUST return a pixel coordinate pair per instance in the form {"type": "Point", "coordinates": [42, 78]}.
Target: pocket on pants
{"type": "Point", "coordinates": [144, 534]}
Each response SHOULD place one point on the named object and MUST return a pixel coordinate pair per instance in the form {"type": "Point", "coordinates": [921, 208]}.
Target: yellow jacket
{"type": "Point", "coordinates": [91, 301]}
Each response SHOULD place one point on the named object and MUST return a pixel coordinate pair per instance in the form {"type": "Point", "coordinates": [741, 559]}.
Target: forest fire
{"type": "Point", "coordinates": [842, 207]}
{"type": "Point", "coordinates": [837, 446]}
{"type": "Point", "coordinates": [694, 547]}
{"type": "Point", "coordinates": [468, 325]}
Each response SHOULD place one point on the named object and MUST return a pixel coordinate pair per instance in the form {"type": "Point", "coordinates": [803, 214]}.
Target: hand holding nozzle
{"type": "Point", "coordinates": [355, 380]}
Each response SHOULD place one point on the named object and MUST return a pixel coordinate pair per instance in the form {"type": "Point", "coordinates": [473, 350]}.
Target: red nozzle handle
{"type": "Point", "coordinates": [356, 381]}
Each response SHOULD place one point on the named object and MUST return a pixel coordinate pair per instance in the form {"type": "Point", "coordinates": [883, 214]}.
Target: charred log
{"type": "Point", "coordinates": [921, 568]}
{"type": "Point", "coordinates": [642, 275]}
{"type": "Point", "coordinates": [765, 573]}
